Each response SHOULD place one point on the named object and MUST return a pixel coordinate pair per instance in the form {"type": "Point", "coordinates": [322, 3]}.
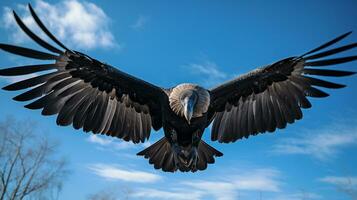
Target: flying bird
{"type": "Point", "coordinates": [96, 97]}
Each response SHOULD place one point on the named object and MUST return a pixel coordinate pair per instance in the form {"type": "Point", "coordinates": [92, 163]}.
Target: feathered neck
{"type": "Point", "coordinates": [202, 104]}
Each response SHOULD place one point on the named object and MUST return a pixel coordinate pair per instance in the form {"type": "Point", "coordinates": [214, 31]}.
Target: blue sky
{"type": "Point", "coordinates": [204, 42]}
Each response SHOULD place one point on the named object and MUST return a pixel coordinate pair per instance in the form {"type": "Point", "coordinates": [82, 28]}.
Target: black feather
{"type": "Point", "coordinates": [40, 103]}
{"type": "Point", "coordinates": [239, 131]}
{"type": "Point", "coordinates": [234, 121]}
{"type": "Point", "coordinates": [115, 124]}
{"type": "Point", "coordinates": [284, 95]}
{"type": "Point", "coordinates": [28, 69]}
{"type": "Point", "coordinates": [33, 93]}
{"type": "Point", "coordinates": [129, 128]}
{"type": "Point", "coordinates": [295, 101]}
{"type": "Point", "coordinates": [44, 29]}
{"type": "Point", "coordinates": [258, 116]}
{"type": "Point", "coordinates": [272, 121]}
{"type": "Point", "coordinates": [322, 83]}
{"type": "Point", "coordinates": [98, 114]}
{"type": "Point", "coordinates": [78, 85]}
{"type": "Point", "coordinates": [244, 118]}
{"type": "Point", "coordinates": [314, 92]}
{"type": "Point", "coordinates": [275, 105]}
{"type": "Point", "coordinates": [250, 119]}
{"type": "Point", "coordinates": [121, 120]}
{"type": "Point", "coordinates": [333, 61]}
{"type": "Point", "coordinates": [299, 93]}
{"type": "Point", "coordinates": [30, 82]}
{"type": "Point", "coordinates": [279, 102]}
{"type": "Point", "coordinates": [90, 114]}
{"type": "Point", "coordinates": [105, 114]}
{"type": "Point", "coordinates": [331, 52]}
{"type": "Point", "coordinates": [80, 115]}
{"type": "Point", "coordinates": [215, 127]}
{"type": "Point", "coordinates": [134, 129]}
{"type": "Point", "coordinates": [55, 104]}
{"type": "Point", "coordinates": [67, 113]}
{"type": "Point", "coordinates": [328, 43]}
{"type": "Point", "coordinates": [327, 72]}
{"type": "Point", "coordinates": [139, 126]}
{"type": "Point", "coordinates": [146, 125]}
{"type": "Point", "coordinates": [26, 52]}
{"type": "Point", "coordinates": [65, 83]}
{"type": "Point", "coordinates": [110, 120]}
{"type": "Point", "coordinates": [231, 125]}
{"type": "Point", "coordinates": [35, 37]}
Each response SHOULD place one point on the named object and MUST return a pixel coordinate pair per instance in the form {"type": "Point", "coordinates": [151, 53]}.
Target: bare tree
{"type": "Point", "coordinates": [29, 167]}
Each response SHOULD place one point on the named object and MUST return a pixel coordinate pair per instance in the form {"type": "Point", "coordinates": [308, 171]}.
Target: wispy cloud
{"type": "Point", "coordinates": [323, 144]}
{"type": "Point", "coordinates": [220, 188]}
{"type": "Point", "coordinates": [178, 194]}
{"type": "Point", "coordinates": [344, 184]}
{"type": "Point", "coordinates": [140, 22]}
{"type": "Point", "coordinates": [297, 196]}
{"type": "Point", "coordinates": [208, 71]}
{"type": "Point", "coordinates": [340, 180]}
{"type": "Point", "coordinates": [255, 180]}
{"type": "Point", "coordinates": [81, 24]}
{"type": "Point", "coordinates": [226, 189]}
{"type": "Point", "coordinates": [114, 143]}
{"type": "Point", "coordinates": [112, 172]}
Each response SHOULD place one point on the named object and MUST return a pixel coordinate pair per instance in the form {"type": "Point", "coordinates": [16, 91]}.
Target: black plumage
{"type": "Point", "coordinates": [98, 98]}
{"type": "Point", "coordinates": [280, 89]}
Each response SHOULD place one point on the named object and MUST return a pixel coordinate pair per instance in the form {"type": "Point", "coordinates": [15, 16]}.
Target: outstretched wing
{"type": "Point", "coordinates": [270, 97]}
{"type": "Point", "coordinates": [84, 91]}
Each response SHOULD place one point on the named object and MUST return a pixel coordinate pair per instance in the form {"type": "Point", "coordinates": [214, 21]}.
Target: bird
{"type": "Point", "coordinates": [99, 98]}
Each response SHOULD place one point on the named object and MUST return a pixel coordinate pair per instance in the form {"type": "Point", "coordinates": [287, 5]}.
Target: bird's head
{"type": "Point", "coordinates": [189, 101]}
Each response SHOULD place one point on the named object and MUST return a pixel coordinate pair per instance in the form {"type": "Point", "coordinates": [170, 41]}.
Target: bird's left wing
{"type": "Point", "coordinates": [270, 97]}
{"type": "Point", "coordinates": [84, 91]}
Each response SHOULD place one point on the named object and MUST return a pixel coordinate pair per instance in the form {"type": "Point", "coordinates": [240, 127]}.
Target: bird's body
{"type": "Point", "coordinates": [98, 98]}
{"type": "Point", "coordinates": [182, 134]}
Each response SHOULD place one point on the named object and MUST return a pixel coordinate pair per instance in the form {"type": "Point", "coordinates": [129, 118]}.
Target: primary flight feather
{"type": "Point", "coordinates": [101, 99]}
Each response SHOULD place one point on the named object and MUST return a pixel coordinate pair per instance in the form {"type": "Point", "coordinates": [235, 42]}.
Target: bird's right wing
{"type": "Point", "coordinates": [270, 97]}
{"type": "Point", "coordinates": [84, 91]}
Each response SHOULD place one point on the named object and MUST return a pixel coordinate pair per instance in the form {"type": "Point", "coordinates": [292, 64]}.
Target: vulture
{"type": "Point", "coordinates": [96, 97]}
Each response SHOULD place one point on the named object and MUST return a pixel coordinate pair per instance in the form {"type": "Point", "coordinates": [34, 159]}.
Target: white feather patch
{"type": "Point", "coordinates": [203, 100]}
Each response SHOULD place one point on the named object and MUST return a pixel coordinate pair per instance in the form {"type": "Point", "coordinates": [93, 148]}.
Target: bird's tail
{"type": "Point", "coordinates": [161, 155]}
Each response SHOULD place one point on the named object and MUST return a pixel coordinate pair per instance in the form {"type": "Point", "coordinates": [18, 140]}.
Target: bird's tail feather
{"type": "Point", "coordinates": [161, 155]}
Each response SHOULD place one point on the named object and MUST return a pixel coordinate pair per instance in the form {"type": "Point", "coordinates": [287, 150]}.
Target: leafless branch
{"type": "Point", "coordinates": [28, 164]}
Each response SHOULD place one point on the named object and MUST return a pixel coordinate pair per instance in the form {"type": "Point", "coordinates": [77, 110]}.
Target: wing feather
{"type": "Point", "coordinates": [270, 97]}
{"type": "Point", "coordinates": [84, 91]}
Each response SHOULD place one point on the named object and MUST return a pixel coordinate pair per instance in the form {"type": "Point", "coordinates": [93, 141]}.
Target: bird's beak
{"type": "Point", "coordinates": [189, 104]}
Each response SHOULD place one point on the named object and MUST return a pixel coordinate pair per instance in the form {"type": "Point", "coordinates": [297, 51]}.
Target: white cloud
{"type": "Point", "coordinates": [262, 180]}
{"type": "Point", "coordinates": [344, 184]}
{"type": "Point", "coordinates": [209, 72]}
{"type": "Point", "coordinates": [259, 180]}
{"type": "Point", "coordinates": [255, 180]}
{"type": "Point", "coordinates": [340, 180]}
{"type": "Point", "coordinates": [79, 24]}
{"type": "Point", "coordinates": [323, 144]}
{"type": "Point", "coordinates": [114, 143]}
{"type": "Point", "coordinates": [169, 195]}
{"type": "Point", "coordinates": [140, 22]}
{"type": "Point", "coordinates": [297, 196]}
{"type": "Point", "coordinates": [112, 172]}
{"type": "Point", "coordinates": [219, 187]}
